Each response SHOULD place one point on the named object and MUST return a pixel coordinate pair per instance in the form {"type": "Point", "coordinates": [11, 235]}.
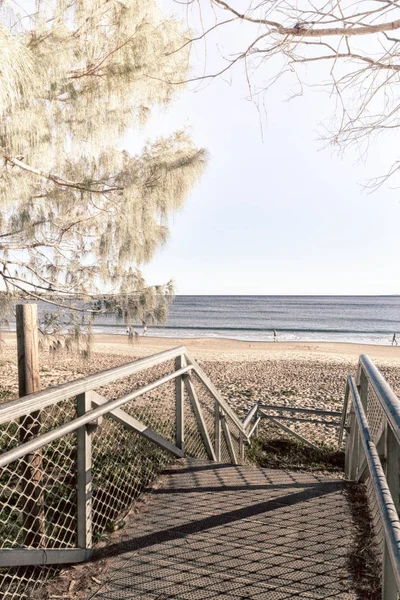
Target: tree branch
{"type": "Point", "coordinates": [306, 29]}
{"type": "Point", "coordinates": [59, 180]}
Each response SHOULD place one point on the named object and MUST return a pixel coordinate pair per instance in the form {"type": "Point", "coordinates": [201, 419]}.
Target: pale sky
{"type": "Point", "coordinates": [281, 215]}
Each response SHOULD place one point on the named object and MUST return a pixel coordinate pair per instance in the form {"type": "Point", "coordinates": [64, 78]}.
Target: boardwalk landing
{"type": "Point", "coordinates": [214, 530]}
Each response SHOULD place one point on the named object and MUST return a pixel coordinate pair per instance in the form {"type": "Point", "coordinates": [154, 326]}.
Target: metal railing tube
{"type": "Point", "coordinates": [90, 416]}
{"type": "Point", "coordinates": [387, 509]}
{"type": "Point", "coordinates": [247, 419]}
{"type": "Point", "coordinates": [390, 402]}
{"type": "Point", "coordinates": [39, 400]}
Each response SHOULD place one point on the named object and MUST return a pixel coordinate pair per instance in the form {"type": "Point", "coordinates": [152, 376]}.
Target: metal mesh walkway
{"type": "Point", "coordinates": [214, 530]}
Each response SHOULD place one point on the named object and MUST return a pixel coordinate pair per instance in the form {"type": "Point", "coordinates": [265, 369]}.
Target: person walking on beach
{"type": "Point", "coordinates": [275, 338]}
{"type": "Point", "coordinates": [144, 329]}
{"type": "Point", "coordinates": [394, 341]}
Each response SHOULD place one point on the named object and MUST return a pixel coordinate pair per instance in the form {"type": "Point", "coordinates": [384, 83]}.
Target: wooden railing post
{"type": "Point", "coordinates": [389, 585]}
{"type": "Point", "coordinates": [351, 454]}
{"type": "Point", "coordinates": [344, 414]}
{"type": "Point", "coordinates": [241, 446]}
{"type": "Point", "coordinates": [392, 460]}
{"type": "Point", "coordinates": [31, 464]}
{"type": "Point", "coordinates": [393, 466]}
{"type": "Point", "coordinates": [84, 474]}
{"type": "Point", "coordinates": [217, 432]}
{"type": "Point", "coordinates": [362, 386]}
{"type": "Point", "coordinates": [198, 414]}
{"type": "Point", "coordinates": [180, 362]}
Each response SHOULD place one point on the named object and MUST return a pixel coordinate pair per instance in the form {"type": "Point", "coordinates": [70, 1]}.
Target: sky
{"type": "Point", "coordinates": [276, 212]}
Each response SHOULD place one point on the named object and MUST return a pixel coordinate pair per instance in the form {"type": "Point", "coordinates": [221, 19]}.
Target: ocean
{"type": "Point", "coordinates": [358, 319]}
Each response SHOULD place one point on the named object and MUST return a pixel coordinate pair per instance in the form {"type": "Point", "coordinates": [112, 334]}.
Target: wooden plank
{"type": "Point", "coordinates": [293, 433]}
{"type": "Point", "coordinates": [349, 443]}
{"type": "Point", "coordinates": [363, 472]}
{"type": "Point", "coordinates": [362, 387]}
{"type": "Point", "coordinates": [254, 429]}
{"type": "Point", "coordinates": [180, 362]}
{"type": "Point", "coordinates": [31, 467]}
{"type": "Point", "coordinates": [354, 450]}
{"type": "Point", "coordinates": [247, 419]}
{"type": "Point", "coordinates": [15, 557]}
{"type": "Point", "coordinates": [344, 414]}
{"type": "Point", "coordinates": [217, 431]}
{"type": "Point", "coordinates": [300, 420]}
{"type": "Point", "coordinates": [241, 446]}
{"type": "Point", "coordinates": [389, 584]}
{"type": "Point", "coordinates": [137, 426]}
{"type": "Point", "coordinates": [195, 404]}
{"type": "Point", "coordinates": [317, 411]}
{"type": "Point", "coordinates": [16, 408]}
{"type": "Point", "coordinates": [84, 474]}
{"type": "Point", "coordinates": [393, 466]}
{"type": "Point", "coordinates": [228, 439]}
{"type": "Point", "coordinates": [27, 348]}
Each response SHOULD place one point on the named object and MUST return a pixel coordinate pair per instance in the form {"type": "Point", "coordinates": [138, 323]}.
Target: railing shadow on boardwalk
{"type": "Point", "coordinates": [201, 538]}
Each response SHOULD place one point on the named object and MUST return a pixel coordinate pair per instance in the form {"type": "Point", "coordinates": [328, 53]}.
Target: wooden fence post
{"type": "Point", "coordinates": [31, 464]}
{"type": "Point", "coordinates": [84, 469]}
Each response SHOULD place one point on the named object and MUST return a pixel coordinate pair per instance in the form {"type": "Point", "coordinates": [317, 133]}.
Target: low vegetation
{"type": "Point", "coordinates": [284, 453]}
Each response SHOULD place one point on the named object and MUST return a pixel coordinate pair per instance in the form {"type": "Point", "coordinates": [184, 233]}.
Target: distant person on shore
{"type": "Point", "coordinates": [275, 337]}
{"type": "Point", "coordinates": [132, 334]}
{"type": "Point", "coordinates": [144, 329]}
{"type": "Point", "coordinates": [394, 341]}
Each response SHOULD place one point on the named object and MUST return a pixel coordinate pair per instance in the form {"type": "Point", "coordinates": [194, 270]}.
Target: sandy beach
{"type": "Point", "coordinates": [236, 350]}
{"type": "Point", "coordinates": [289, 373]}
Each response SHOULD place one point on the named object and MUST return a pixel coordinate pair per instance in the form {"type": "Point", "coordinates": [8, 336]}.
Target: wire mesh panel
{"type": "Point", "coordinates": [156, 410]}
{"type": "Point", "coordinates": [235, 436]}
{"type": "Point", "coordinates": [37, 496]}
{"type": "Point", "coordinates": [26, 583]}
{"type": "Point", "coordinates": [376, 424]}
{"type": "Point", "coordinates": [311, 425]}
{"type": "Point", "coordinates": [123, 464]}
{"type": "Point", "coordinates": [194, 444]}
{"type": "Point", "coordinates": [207, 406]}
{"type": "Point", "coordinates": [39, 492]}
{"type": "Point", "coordinates": [373, 456]}
{"type": "Point", "coordinates": [375, 415]}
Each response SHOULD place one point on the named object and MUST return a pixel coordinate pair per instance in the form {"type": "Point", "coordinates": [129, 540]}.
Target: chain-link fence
{"type": "Point", "coordinates": [373, 457]}
{"type": "Point", "coordinates": [71, 466]}
{"type": "Point", "coordinates": [376, 423]}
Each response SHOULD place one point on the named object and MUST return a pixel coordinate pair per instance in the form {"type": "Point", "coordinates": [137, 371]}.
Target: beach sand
{"type": "Point", "coordinates": [235, 350]}
{"type": "Point", "coordinates": [287, 373]}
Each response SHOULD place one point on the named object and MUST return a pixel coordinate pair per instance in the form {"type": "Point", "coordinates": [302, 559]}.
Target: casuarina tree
{"type": "Point", "coordinates": [79, 213]}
